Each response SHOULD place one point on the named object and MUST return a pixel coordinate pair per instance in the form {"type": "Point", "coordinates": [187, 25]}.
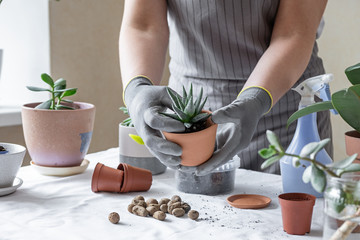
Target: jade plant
{"type": "Point", "coordinates": [316, 172]}
{"type": "Point", "coordinates": [188, 110]}
{"type": "Point", "coordinates": [346, 102]}
{"type": "Point", "coordinates": [58, 92]}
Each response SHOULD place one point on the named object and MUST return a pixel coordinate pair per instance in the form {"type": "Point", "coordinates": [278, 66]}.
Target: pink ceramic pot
{"type": "Point", "coordinates": [58, 138]}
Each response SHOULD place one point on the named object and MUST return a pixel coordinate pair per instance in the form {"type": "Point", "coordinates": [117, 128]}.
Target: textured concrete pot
{"type": "Point", "coordinates": [135, 179]}
{"type": "Point", "coordinates": [197, 147]}
{"type": "Point", "coordinates": [10, 163]}
{"type": "Point", "coordinates": [106, 179]}
{"type": "Point", "coordinates": [58, 138]}
{"type": "Point", "coordinates": [135, 154]}
{"type": "Point", "coordinates": [352, 144]}
{"type": "Point", "coordinates": [296, 211]}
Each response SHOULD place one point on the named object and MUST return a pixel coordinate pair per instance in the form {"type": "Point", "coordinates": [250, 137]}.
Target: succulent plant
{"type": "Point", "coordinates": [57, 91]}
{"type": "Point", "coordinates": [187, 110]}
{"type": "Point", "coordinates": [127, 122]}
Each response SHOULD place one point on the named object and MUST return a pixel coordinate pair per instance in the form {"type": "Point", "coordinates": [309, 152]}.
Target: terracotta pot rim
{"type": "Point", "coordinates": [209, 128]}
{"type": "Point", "coordinates": [29, 106]}
{"type": "Point", "coordinates": [95, 177]}
{"type": "Point", "coordinates": [352, 133]}
{"type": "Point", "coordinates": [297, 197]}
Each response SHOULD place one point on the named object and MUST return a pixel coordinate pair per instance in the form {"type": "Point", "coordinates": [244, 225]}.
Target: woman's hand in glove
{"type": "Point", "coordinates": [144, 102]}
{"type": "Point", "coordinates": [237, 123]}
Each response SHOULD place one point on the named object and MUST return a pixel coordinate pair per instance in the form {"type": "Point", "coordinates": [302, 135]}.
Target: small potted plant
{"type": "Point", "coordinates": [58, 131]}
{"type": "Point", "coordinates": [198, 139]}
{"type": "Point", "coordinates": [347, 103]}
{"type": "Point", "coordinates": [342, 199]}
{"type": "Point", "coordinates": [132, 149]}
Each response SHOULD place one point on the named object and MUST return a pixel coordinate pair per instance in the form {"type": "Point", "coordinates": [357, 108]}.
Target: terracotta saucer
{"type": "Point", "coordinates": [248, 201]}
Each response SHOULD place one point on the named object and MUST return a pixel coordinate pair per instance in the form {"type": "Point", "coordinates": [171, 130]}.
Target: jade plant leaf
{"type": "Point", "coordinates": [44, 105]}
{"type": "Point", "coordinates": [37, 89]}
{"type": "Point", "coordinates": [353, 74]}
{"type": "Point", "coordinates": [270, 161]}
{"type": "Point", "coordinates": [274, 140]}
{"type": "Point", "coordinates": [318, 178]}
{"type": "Point", "coordinates": [316, 107]}
{"type": "Point", "coordinates": [267, 152]}
{"type": "Point", "coordinates": [46, 78]}
{"type": "Point", "coordinates": [347, 103]}
{"type": "Point", "coordinates": [137, 139]}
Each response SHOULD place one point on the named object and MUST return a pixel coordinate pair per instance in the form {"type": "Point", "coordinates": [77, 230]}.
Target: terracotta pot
{"type": "Point", "coordinates": [135, 179]}
{"type": "Point", "coordinates": [352, 144]}
{"type": "Point", "coordinates": [296, 210]}
{"type": "Point", "coordinates": [197, 147]}
{"type": "Point", "coordinates": [58, 138]}
{"type": "Point", "coordinates": [106, 179]}
{"type": "Point", "coordinates": [135, 154]}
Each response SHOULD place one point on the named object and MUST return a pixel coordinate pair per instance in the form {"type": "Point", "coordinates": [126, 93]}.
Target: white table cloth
{"type": "Point", "coordinates": [47, 207]}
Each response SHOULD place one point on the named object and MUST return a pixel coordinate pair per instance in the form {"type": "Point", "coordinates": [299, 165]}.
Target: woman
{"type": "Point", "coordinates": [260, 49]}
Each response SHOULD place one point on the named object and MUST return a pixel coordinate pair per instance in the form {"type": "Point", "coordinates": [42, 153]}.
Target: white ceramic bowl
{"type": "Point", "coordinates": [10, 163]}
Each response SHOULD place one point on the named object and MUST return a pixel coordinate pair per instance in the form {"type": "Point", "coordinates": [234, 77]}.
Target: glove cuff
{"type": "Point", "coordinates": [129, 91]}
{"type": "Point", "coordinates": [261, 94]}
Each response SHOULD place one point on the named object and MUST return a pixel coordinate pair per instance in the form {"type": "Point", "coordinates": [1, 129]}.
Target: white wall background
{"type": "Point", "coordinates": [24, 38]}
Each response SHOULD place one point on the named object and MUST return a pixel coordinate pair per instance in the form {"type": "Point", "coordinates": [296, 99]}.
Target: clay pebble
{"type": "Point", "coordinates": [114, 217]}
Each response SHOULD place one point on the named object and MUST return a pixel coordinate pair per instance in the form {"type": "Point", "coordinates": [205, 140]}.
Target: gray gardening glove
{"type": "Point", "coordinates": [237, 123]}
{"type": "Point", "coordinates": [144, 102]}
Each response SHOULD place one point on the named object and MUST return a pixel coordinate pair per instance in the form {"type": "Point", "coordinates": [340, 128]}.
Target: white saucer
{"type": "Point", "coordinates": [8, 190]}
{"type": "Point", "coordinates": [61, 171]}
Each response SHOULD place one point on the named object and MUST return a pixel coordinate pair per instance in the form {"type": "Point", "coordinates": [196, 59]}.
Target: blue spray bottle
{"type": "Point", "coordinates": [306, 132]}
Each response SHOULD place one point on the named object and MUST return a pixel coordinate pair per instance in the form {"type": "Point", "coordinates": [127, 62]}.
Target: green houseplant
{"type": "Point", "coordinates": [320, 175]}
{"type": "Point", "coordinates": [135, 152]}
{"type": "Point", "coordinates": [346, 102]}
{"type": "Point", "coordinates": [198, 139]}
{"type": "Point", "coordinates": [57, 131]}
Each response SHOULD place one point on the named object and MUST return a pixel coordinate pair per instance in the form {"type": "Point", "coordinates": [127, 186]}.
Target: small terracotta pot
{"type": "Point", "coordinates": [296, 210]}
{"type": "Point", "coordinates": [197, 147]}
{"type": "Point", "coordinates": [135, 179]}
{"type": "Point", "coordinates": [352, 144]}
{"type": "Point", "coordinates": [106, 179]}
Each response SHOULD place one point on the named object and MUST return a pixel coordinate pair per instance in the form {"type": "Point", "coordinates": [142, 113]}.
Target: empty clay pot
{"type": "Point", "coordinates": [135, 179]}
{"type": "Point", "coordinates": [197, 147]}
{"type": "Point", "coordinates": [106, 179]}
{"type": "Point", "coordinates": [296, 210]}
{"type": "Point", "coordinates": [352, 144]}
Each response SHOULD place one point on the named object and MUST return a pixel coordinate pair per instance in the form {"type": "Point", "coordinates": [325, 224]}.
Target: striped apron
{"type": "Point", "coordinates": [216, 45]}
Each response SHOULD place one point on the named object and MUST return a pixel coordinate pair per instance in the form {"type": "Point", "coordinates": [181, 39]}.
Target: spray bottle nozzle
{"type": "Point", "coordinates": [318, 85]}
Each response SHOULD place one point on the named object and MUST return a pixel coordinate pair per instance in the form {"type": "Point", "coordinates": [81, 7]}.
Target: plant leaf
{"type": "Point", "coordinates": [343, 163]}
{"type": "Point", "coordinates": [312, 148]}
{"type": "Point", "coordinates": [197, 102]}
{"type": "Point", "coordinates": [346, 102]}
{"type": "Point", "coordinates": [181, 114]}
{"type": "Point", "coordinates": [354, 167]}
{"type": "Point", "coordinates": [47, 79]}
{"type": "Point", "coordinates": [271, 161]}
{"type": "Point", "coordinates": [353, 74]}
{"type": "Point", "coordinates": [171, 115]}
{"type": "Point", "coordinates": [60, 106]}
{"type": "Point", "coordinates": [318, 178]}
{"type": "Point", "coordinates": [274, 140]}
{"type": "Point", "coordinates": [137, 139]}
{"type": "Point", "coordinates": [174, 97]}
{"type": "Point", "coordinates": [60, 83]}
{"type": "Point", "coordinates": [200, 117]}
{"type": "Point", "coordinates": [68, 92]}
{"type": "Point", "coordinates": [187, 125]}
{"type": "Point", "coordinates": [184, 92]}
{"type": "Point", "coordinates": [267, 152]}
{"type": "Point", "coordinates": [306, 177]}
{"type": "Point", "coordinates": [296, 162]}
{"type": "Point", "coordinates": [67, 100]}
{"type": "Point", "coordinates": [37, 89]}
{"type": "Point", "coordinates": [44, 105]}
{"type": "Point", "coordinates": [202, 104]}
{"type": "Point", "coordinates": [316, 107]}
{"type": "Point", "coordinates": [124, 110]}
{"type": "Point", "coordinates": [190, 109]}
